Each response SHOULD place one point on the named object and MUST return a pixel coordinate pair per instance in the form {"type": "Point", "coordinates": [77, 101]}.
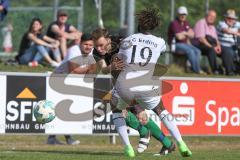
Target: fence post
{"type": "Point", "coordinates": [112, 139]}
{"type": "Point", "coordinates": [56, 4]}
{"type": "Point", "coordinates": [131, 20]}
{"type": "Point", "coordinates": [80, 16]}
{"type": "Point", "coordinates": [168, 54]}
{"type": "Point", "coordinates": [122, 13]}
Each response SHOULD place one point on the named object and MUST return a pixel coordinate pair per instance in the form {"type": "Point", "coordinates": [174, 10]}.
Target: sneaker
{"type": "Point", "coordinates": [54, 141]}
{"type": "Point", "coordinates": [71, 141]}
{"type": "Point", "coordinates": [202, 72]}
{"type": "Point", "coordinates": [216, 72]}
{"type": "Point", "coordinates": [11, 62]}
{"type": "Point", "coordinates": [33, 64]}
{"type": "Point", "coordinates": [165, 151]}
{"type": "Point", "coordinates": [143, 143]}
{"type": "Point", "coordinates": [128, 151]}
{"type": "Point", "coordinates": [54, 64]}
{"type": "Point", "coordinates": [183, 149]}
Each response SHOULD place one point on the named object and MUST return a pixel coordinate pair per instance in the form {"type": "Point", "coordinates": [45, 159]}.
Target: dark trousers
{"type": "Point", "coordinates": [228, 59]}
{"type": "Point", "coordinates": [211, 54]}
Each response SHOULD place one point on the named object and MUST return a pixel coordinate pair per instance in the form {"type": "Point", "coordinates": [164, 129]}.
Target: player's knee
{"type": "Point", "coordinates": [159, 108]}
{"type": "Point", "coordinates": [118, 119]}
{"type": "Point", "coordinates": [116, 110]}
{"type": "Point", "coordinates": [143, 117]}
{"type": "Point", "coordinates": [113, 103]}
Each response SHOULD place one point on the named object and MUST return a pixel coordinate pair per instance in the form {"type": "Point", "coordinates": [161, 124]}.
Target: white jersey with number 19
{"type": "Point", "coordinates": [140, 53]}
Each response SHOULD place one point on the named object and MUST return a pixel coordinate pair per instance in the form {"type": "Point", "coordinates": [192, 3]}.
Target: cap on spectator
{"type": "Point", "coordinates": [182, 10]}
{"type": "Point", "coordinates": [62, 13]}
{"type": "Point", "coordinates": [230, 14]}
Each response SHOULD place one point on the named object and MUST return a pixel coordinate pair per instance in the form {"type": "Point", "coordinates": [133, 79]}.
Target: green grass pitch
{"type": "Point", "coordinates": [16, 147]}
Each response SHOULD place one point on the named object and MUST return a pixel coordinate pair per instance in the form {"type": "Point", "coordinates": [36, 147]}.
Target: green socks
{"type": "Point", "coordinates": [134, 123]}
{"type": "Point", "coordinates": [157, 133]}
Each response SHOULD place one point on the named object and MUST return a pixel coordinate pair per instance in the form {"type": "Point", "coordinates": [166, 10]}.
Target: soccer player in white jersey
{"type": "Point", "coordinates": [135, 83]}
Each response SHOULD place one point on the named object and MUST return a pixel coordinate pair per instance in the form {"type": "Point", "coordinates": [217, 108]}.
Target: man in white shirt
{"type": "Point", "coordinates": [79, 60]}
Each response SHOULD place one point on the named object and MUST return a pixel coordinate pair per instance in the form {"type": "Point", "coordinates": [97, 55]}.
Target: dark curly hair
{"type": "Point", "coordinates": [148, 19]}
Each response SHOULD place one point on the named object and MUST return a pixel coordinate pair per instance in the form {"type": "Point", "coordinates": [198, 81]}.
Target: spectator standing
{"type": "Point", "coordinates": [62, 31]}
{"type": "Point", "coordinates": [206, 39]}
{"type": "Point", "coordinates": [180, 30]}
{"type": "Point", "coordinates": [228, 31]}
{"type": "Point", "coordinates": [4, 4]}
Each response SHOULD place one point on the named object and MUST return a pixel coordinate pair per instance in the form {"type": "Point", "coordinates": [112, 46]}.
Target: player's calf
{"type": "Point", "coordinates": [121, 128]}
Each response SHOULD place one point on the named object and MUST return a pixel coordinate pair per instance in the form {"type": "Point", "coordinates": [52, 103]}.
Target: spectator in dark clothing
{"type": "Point", "coordinates": [35, 46]}
{"type": "Point", "coordinates": [180, 30]}
{"type": "Point", "coordinates": [62, 31]}
{"type": "Point", "coordinates": [4, 4]}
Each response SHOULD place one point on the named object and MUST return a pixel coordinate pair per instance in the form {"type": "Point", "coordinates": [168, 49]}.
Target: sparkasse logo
{"type": "Point", "coordinates": [183, 107]}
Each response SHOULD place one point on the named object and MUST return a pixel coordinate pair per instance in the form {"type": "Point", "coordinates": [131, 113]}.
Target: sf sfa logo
{"type": "Point", "coordinates": [102, 116]}
{"type": "Point", "coordinates": [19, 114]}
{"type": "Point", "coordinates": [19, 109]}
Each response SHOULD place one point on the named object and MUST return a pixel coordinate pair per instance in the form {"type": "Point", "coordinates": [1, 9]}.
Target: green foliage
{"type": "Point", "coordinates": [110, 13]}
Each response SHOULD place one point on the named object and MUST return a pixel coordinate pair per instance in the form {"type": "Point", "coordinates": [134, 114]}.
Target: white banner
{"type": "Point", "coordinates": [80, 104]}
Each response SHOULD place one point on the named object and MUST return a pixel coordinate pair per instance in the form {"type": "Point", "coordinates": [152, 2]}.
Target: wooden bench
{"type": "Point", "coordinates": [180, 60]}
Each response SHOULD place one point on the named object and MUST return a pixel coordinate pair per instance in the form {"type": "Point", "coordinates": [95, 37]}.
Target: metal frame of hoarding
{"type": "Point", "coordinates": [47, 74]}
{"type": "Point", "coordinates": [109, 76]}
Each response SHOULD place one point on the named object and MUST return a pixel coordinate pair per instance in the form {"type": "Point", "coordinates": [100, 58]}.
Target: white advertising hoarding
{"type": "Point", "coordinates": [80, 104]}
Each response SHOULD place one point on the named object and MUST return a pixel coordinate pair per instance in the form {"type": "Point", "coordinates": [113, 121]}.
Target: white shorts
{"type": "Point", "coordinates": [122, 97]}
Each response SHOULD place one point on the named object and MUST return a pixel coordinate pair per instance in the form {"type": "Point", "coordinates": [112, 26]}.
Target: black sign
{"type": "Point", "coordinates": [23, 92]}
{"type": "Point", "coordinates": [102, 117]}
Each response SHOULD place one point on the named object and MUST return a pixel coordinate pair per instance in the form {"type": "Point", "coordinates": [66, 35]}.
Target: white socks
{"type": "Point", "coordinates": [121, 127]}
{"type": "Point", "coordinates": [169, 122]}
{"type": "Point", "coordinates": [124, 135]}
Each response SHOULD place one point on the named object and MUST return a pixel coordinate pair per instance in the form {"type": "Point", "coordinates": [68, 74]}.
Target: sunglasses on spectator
{"type": "Point", "coordinates": [62, 15]}
{"type": "Point", "coordinates": [229, 18]}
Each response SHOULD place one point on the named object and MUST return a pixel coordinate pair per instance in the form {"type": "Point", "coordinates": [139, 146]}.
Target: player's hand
{"type": "Point", "coordinates": [125, 113]}
{"type": "Point", "coordinates": [117, 64]}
